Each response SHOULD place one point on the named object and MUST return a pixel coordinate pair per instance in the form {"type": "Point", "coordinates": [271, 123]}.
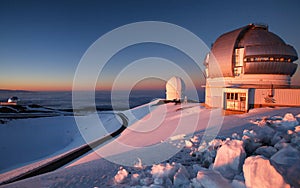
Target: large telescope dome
{"type": "Point", "coordinates": [249, 50]}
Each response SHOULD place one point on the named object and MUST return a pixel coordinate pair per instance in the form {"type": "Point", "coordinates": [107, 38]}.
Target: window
{"type": "Point", "coordinates": [227, 95]}
{"type": "Point", "coordinates": [235, 96]}
{"type": "Point", "coordinates": [267, 59]}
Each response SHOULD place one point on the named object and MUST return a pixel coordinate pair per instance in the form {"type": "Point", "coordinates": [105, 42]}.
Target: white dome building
{"type": "Point", "coordinates": [13, 100]}
{"type": "Point", "coordinates": [175, 89]}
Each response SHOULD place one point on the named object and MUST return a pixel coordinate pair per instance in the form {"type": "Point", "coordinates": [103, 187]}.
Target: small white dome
{"type": "Point", "coordinates": [175, 89]}
{"type": "Point", "coordinates": [13, 100]}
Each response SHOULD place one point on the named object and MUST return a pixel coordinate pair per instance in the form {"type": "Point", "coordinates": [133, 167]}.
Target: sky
{"type": "Point", "coordinates": [42, 42]}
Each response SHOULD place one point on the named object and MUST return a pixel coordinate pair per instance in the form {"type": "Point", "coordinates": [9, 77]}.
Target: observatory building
{"type": "Point", "coordinates": [250, 67]}
{"type": "Point", "coordinates": [175, 89]}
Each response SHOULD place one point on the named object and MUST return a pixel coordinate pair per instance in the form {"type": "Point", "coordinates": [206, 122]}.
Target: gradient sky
{"type": "Point", "coordinates": [43, 41]}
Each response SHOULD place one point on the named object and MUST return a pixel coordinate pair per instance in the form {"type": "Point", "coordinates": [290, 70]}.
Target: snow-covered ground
{"type": "Point", "coordinates": [254, 149]}
{"type": "Point", "coordinates": [36, 141]}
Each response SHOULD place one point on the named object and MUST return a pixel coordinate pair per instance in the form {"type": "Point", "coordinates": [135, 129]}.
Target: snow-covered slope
{"type": "Point", "coordinates": [196, 164]}
{"type": "Point", "coordinates": [24, 141]}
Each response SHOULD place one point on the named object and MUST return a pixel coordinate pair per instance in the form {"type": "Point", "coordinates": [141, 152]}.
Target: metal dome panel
{"type": "Point", "coordinates": [269, 50]}
{"type": "Point", "coordinates": [260, 36]}
{"type": "Point", "coordinates": [220, 62]}
{"type": "Point", "coordinates": [270, 68]}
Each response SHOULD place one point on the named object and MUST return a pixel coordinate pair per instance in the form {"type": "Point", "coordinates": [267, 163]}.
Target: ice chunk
{"type": "Point", "coordinates": [181, 178]}
{"type": "Point", "coordinates": [188, 144]}
{"type": "Point", "coordinates": [121, 176]}
{"type": "Point", "coordinates": [297, 129]}
{"type": "Point", "coordinates": [266, 151]}
{"type": "Point", "coordinates": [210, 179]}
{"type": "Point", "coordinates": [146, 181]}
{"type": "Point", "coordinates": [135, 178]}
{"type": "Point", "coordinates": [258, 172]}
{"type": "Point", "coordinates": [289, 121]}
{"type": "Point", "coordinates": [238, 184]}
{"type": "Point", "coordinates": [235, 136]}
{"type": "Point", "coordinates": [158, 181]}
{"type": "Point", "coordinates": [230, 158]}
{"type": "Point", "coordinates": [287, 161]}
{"type": "Point", "coordinates": [164, 170]}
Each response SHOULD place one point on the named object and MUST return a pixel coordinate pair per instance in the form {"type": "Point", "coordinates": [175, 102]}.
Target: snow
{"type": "Point", "coordinates": [259, 132]}
{"type": "Point", "coordinates": [52, 138]}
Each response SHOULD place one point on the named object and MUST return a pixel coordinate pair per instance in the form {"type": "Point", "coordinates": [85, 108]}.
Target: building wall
{"type": "Point", "coordinates": [276, 97]}
{"type": "Point", "coordinates": [214, 97]}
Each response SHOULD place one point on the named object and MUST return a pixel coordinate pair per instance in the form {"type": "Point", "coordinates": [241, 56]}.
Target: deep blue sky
{"type": "Point", "coordinates": [41, 42]}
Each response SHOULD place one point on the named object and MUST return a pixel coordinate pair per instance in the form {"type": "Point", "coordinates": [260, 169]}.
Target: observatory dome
{"type": "Point", "coordinates": [13, 99]}
{"type": "Point", "coordinates": [175, 89]}
{"type": "Point", "coordinates": [249, 50]}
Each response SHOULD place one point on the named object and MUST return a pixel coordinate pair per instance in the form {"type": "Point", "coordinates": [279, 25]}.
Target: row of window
{"type": "Point", "coordinates": [265, 59]}
{"type": "Point", "coordinates": [236, 96]}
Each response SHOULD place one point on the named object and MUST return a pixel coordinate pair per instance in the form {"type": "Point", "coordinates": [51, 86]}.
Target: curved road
{"type": "Point", "coordinates": [69, 157]}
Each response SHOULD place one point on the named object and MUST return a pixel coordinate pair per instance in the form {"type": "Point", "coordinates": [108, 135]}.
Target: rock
{"type": "Point", "coordinates": [289, 121]}
{"type": "Point", "coordinates": [181, 178]}
{"type": "Point", "coordinates": [265, 134]}
{"type": "Point", "coordinates": [235, 136]}
{"type": "Point", "coordinates": [230, 158]}
{"type": "Point", "coordinates": [146, 181]}
{"type": "Point", "coordinates": [251, 146]}
{"type": "Point", "coordinates": [195, 139]}
{"type": "Point", "coordinates": [296, 140]}
{"type": "Point", "coordinates": [276, 138]}
{"type": "Point", "coordinates": [135, 178]}
{"type": "Point", "coordinates": [210, 179]}
{"type": "Point", "coordinates": [207, 158]}
{"type": "Point", "coordinates": [168, 182]}
{"type": "Point", "coordinates": [287, 162]}
{"type": "Point", "coordinates": [156, 186]}
{"type": "Point", "coordinates": [215, 144]}
{"type": "Point", "coordinates": [197, 167]}
{"type": "Point", "coordinates": [238, 184]}
{"type": "Point", "coordinates": [158, 181]}
{"type": "Point", "coordinates": [281, 144]}
{"type": "Point", "coordinates": [239, 177]}
{"type": "Point", "coordinates": [203, 146]}
{"type": "Point", "coordinates": [164, 170]}
{"type": "Point", "coordinates": [297, 129]}
{"type": "Point", "coordinates": [266, 151]}
{"type": "Point", "coordinates": [188, 144]}
{"type": "Point", "coordinates": [249, 134]}
{"type": "Point", "coordinates": [259, 172]}
{"type": "Point", "coordinates": [121, 176]}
